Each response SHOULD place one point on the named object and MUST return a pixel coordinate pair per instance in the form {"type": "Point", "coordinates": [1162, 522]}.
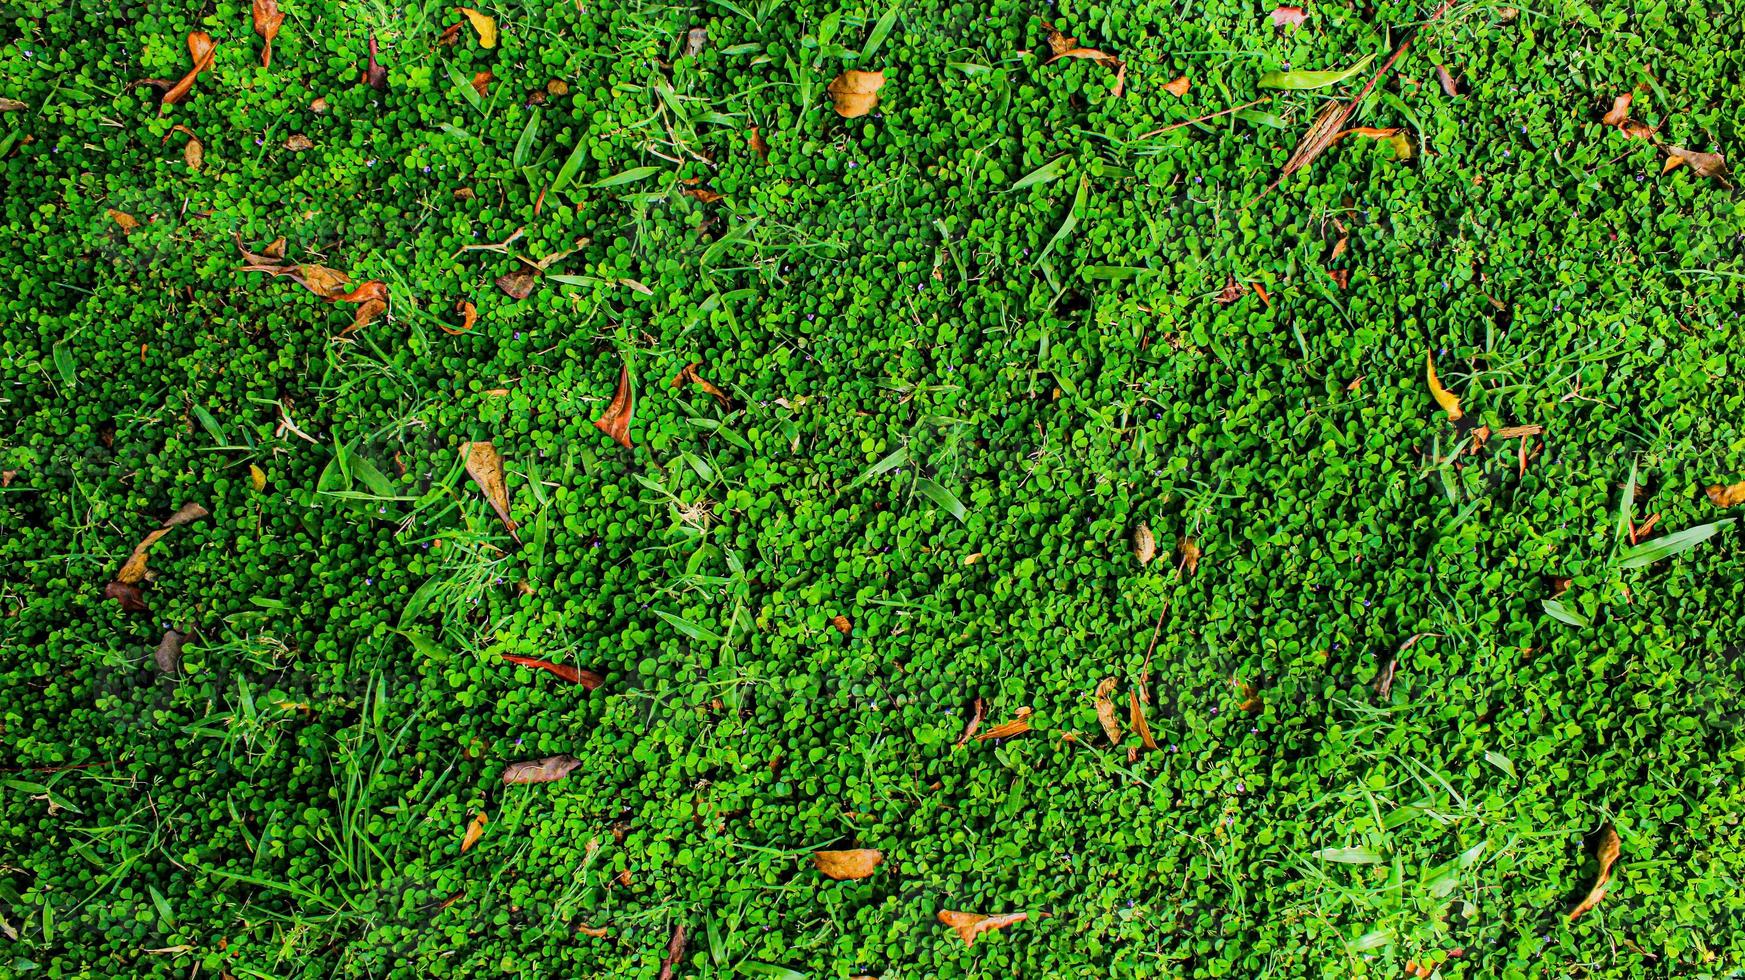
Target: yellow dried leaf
{"type": "Point", "coordinates": [127, 222]}
{"type": "Point", "coordinates": [257, 477]}
{"type": "Point", "coordinates": [475, 830]}
{"type": "Point", "coordinates": [1106, 711]}
{"type": "Point", "coordinates": [483, 24]}
{"type": "Point", "coordinates": [847, 865]}
{"type": "Point", "coordinates": [969, 925]}
{"type": "Point", "coordinates": [485, 466]}
{"type": "Point", "coordinates": [1727, 496]}
{"type": "Point", "coordinates": [1607, 850]}
{"type": "Point", "coordinates": [1443, 396]}
{"type": "Point", "coordinates": [842, 624]}
{"type": "Point", "coordinates": [1189, 550]}
{"type": "Point", "coordinates": [1144, 544]}
{"type": "Point", "coordinates": [855, 93]}
{"type": "Point", "coordinates": [1017, 726]}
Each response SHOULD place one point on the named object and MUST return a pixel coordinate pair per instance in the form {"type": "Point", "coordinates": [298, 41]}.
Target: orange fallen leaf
{"type": "Point", "coordinates": [375, 73]}
{"type": "Point", "coordinates": [588, 930]}
{"type": "Point", "coordinates": [1177, 87]}
{"type": "Point", "coordinates": [366, 314]}
{"type": "Point", "coordinates": [1190, 552]}
{"type": "Point", "coordinates": [485, 465]}
{"type": "Point", "coordinates": [855, 93]}
{"type": "Point", "coordinates": [1727, 496]}
{"type": "Point", "coordinates": [1260, 291]}
{"type": "Point", "coordinates": [267, 20]}
{"type": "Point", "coordinates": [475, 830]}
{"type": "Point", "coordinates": [1136, 721]}
{"type": "Point", "coordinates": [1444, 398]}
{"type": "Point", "coordinates": [978, 711]}
{"type": "Point", "coordinates": [450, 35]}
{"type": "Point", "coordinates": [1251, 701]}
{"type": "Point", "coordinates": [1620, 111]}
{"type": "Point", "coordinates": [547, 770]}
{"type": "Point", "coordinates": [1341, 277]}
{"type": "Point", "coordinates": [468, 314]}
{"type": "Point", "coordinates": [1606, 848]}
{"type": "Point", "coordinates": [688, 375]}
{"type": "Point", "coordinates": [969, 925]}
{"type": "Point", "coordinates": [703, 194]}
{"type": "Point", "coordinates": [616, 420]}
{"type": "Point", "coordinates": [1106, 710]}
{"type": "Point", "coordinates": [126, 222]}
{"type": "Point", "coordinates": [847, 865]}
{"type": "Point", "coordinates": [204, 52]}
{"type": "Point", "coordinates": [842, 624]}
{"type": "Point", "coordinates": [1232, 291]}
{"type": "Point", "coordinates": [482, 83]}
{"type": "Point", "coordinates": [1019, 724]}
{"type": "Point", "coordinates": [758, 144]}
{"type": "Point", "coordinates": [125, 586]}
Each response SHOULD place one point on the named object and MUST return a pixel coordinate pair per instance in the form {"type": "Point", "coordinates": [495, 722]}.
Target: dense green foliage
{"type": "Point", "coordinates": [927, 364]}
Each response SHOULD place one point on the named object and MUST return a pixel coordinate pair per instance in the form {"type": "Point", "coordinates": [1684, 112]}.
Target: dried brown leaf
{"type": "Point", "coordinates": [599, 932]}
{"type": "Point", "coordinates": [485, 465]}
{"type": "Point", "coordinates": [1136, 721]}
{"type": "Point", "coordinates": [1731, 495]}
{"type": "Point", "coordinates": [1106, 715]}
{"type": "Point", "coordinates": [168, 655]}
{"type": "Point", "coordinates": [366, 314]}
{"type": "Point", "coordinates": [297, 143]}
{"type": "Point", "coordinates": [688, 376]}
{"type": "Point", "coordinates": [847, 865]}
{"type": "Point", "coordinates": [126, 222]}
{"type": "Point", "coordinates": [1188, 552]}
{"type": "Point", "coordinates": [547, 770]}
{"type": "Point", "coordinates": [1251, 700]}
{"type": "Point", "coordinates": [203, 51]}
{"type": "Point", "coordinates": [1283, 17]}
{"type": "Point", "coordinates": [1178, 86]}
{"type": "Point", "coordinates": [675, 951]}
{"type": "Point", "coordinates": [695, 40]}
{"type": "Point", "coordinates": [615, 422]}
{"type": "Point", "coordinates": [978, 711]}
{"type": "Point", "coordinates": [519, 283]}
{"type": "Point", "coordinates": [450, 35]}
{"type": "Point", "coordinates": [475, 830]}
{"type": "Point", "coordinates": [193, 151]}
{"type": "Point", "coordinates": [855, 93]}
{"type": "Point", "coordinates": [1059, 43]}
{"type": "Point", "coordinates": [758, 144]}
{"type": "Point", "coordinates": [703, 194]}
{"type": "Point", "coordinates": [1231, 292]}
{"type": "Point", "coordinates": [375, 73]}
{"type": "Point", "coordinates": [1144, 544]}
{"type": "Point", "coordinates": [1607, 847]}
{"type": "Point", "coordinates": [969, 925]}
{"type": "Point", "coordinates": [1341, 277]}
{"type": "Point", "coordinates": [469, 314]}
{"type": "Point", "coordinates": [557, 87]}
{"type": "Point", "coordinates": [1620, 111]}
{"type": "Point", "coordinates": [1518, 431]}
{"type": "Point", "coordinates": [1449, 88]}
{"type": "Point", "coordinates": [1019, 724]}
{"type": "Point", "coordinates": [1702, 164]}
{"type": "Point", "coordinates": [267, 21]}
{"type": "Point", "coordinates": [842, 624]}
{"type": "Point", "coordinates": [482, 83]}
{"type": "Point", "coordinates": [12, 105]}
{"type": "Point", "coordinates": [127, 595]}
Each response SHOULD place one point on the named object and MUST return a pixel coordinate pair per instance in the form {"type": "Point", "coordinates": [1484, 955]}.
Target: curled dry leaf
{"type": "Point", "coordinates": [688, 375]}
{"type": "Point", "coordinates": [703, 194]}
{"type": "Point", "coordinates": [1144, 544]}
{"type": "Point", "coordinates": [1106, 710]}
{"type": "Point", "coordinates": [1232, 292]}
{"type": "Point", "coordinates": [758, 144]}
{"type": "Point", "coordinates": [1189, 553]}
{"type": "Point", "coordinates": [1447, 82]}
{"type": "Point", "coordinates": [366, 314]}
{"type": "Point", "coordinates": [475, 830]}
{"type": "Point", "coordinates": [451, 34]}
{"type": "Point", "coordinates": [847, 865]}
{"type": "Point", "coordinates": [584, 929]}
{"type": "Point", "coordinates": [1136, 721]}
{"type": "Point", "coordinates": [675, 951]}
{"type": "Point", "coordinates": [267, 21]}
{"type": "Point", "coordinates": [1607, 847]}
{"type": "Point", "coordinates": [1177, 87]}
{"type": "Point", "coordinates": [485, 465]}
{"type": "Point", "coordinates": [257, 477]}
{"type": "Point", "coordinates": [615, 422]}
{"type": "Point", "coordinates": [547, 770]}
{"type": "Point", "coordinates": [483, 24]}
{"type": "Point", "coordinates": [969, 925]}
{"type": "Point", "coordinates": [1341, 277]}
{"type": "Point", "coordinates": [482, 83]}
{"type": "Point", "coordinates": [126, 222]}
{"type": "Point", "coordinates": [575, 675]}
{"type": "Point", "coordinates": [1251, 701]}
{"type": "Point", "coordinates": [1283, 17]}
{"type": "Point", "coordinates": [1702, 164]}
{"type": "Point", "coordinates": [1019, 724]}
{"type": "Point", "coordinates": [318, 105]}
{"type": "Point", "coordinates": [193, 151]}
{"type": "Point", "coordinates": [855, 93]}
{"type": "Point", "coordinates": [977, 711]}
{"type": "Point", "coordinates": [1619, 114]}
{"type": "Point", "coordinates": [695, 39]}
{"type": "Point", "coordinates": [842, 624]}
{"type": "Point", "coordinates": [1731, 495]}
{"type": "Point", "coordinates": [12, 105]}
{"type": "Point", "coordinates": [297, 143]}
{"type": "Point", "coordinates": [1059, 43]}
{"type": "Point", "coordinates": [519, 283]}
{"type": "Point", "coordinates": [126, 595]}
{"type": "Point", "coordinates": [204, 52]}
{"type": "Point", "coordinates": [375, 73]}
{"type": "Point", "coordinates": [1444, 398]}
{"type": "Point", "coordinates": [125, 587]}
{"type": "Point", "coordinates": [168, 655]}
{"type": "Point", "coordinates": [557, 87]}
{"type": "Point", "coordinates": [469, 314]}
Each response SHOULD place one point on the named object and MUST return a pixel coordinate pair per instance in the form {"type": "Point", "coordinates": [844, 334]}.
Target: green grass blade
{"type": "Point", "coordinates": [880, 31]}
{"type": "Point", "coordinates": [1050, 171]}
{"type": "Point", "coordinates": [1301, 80]}
{"type": "Point", "coordinates": [944, 498]}
{"type": "Point", "coordinates": [630, 176]}
{"type": "Point", "coordinates": [1348, 855]}
{"type": "Point", "coordinates": [1556, 609]}
{"type": "Point", "coordinates": [896, 458]}
{"type": "Point", "coordinates": [689, 628]}
{"type": "Point", "coordinates": [1655, 549]}
{"type": "Point", "coordinates": [525, 143]}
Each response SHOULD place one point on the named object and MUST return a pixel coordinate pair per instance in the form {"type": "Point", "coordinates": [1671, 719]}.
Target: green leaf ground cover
{"type": "Point", "coordinates": [963, 345]}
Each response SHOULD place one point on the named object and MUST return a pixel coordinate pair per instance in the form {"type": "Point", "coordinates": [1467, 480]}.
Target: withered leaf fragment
{"type": "Point", "coordinates": [615, 422]}
{"type": "Point", "coordinates": [978, 711]}
{"type": "Point", "coordinates": [855, 93]}
{"type": "Point", "coordinates": [1177, 87]}
{"type": "Point", "coordinates": [675, 951]}
{"type": "Point", "coordinates": [451, 34]}
{"type": "Point", "coordinates": [1620, 111]}
{"type": "Point", "coordinates": [1136, 721]}
{"type": "Point", "coordinates": [193, 151]}
{"type": "Point", "coordinates": [597, 932]}
{"type": "Point", "coordinates": [297, 143]}
{"type": "Point", "coordinates": [485, 465]}
{"type": "Point", "coordinates": [12, 105]}
{"type": "Point", "coordinates": [1444, 398]}
{"type": "Point", "coordinates": [1189, 550]}
{"type": "Point", "coordinates": [1283, 17]}
{"type": "Point", "coordinates": [695, 39]}
{"type": "Point", "coordinates": [1106, 710]}
{"type": "Point", "coordinates": [519, 283]}
{"type": "Point", "coordinates": [575, 675]}
{"type": "Point", "coordinates": [475, 830]}
{"type": "Point", "coordinates": [1702, 164]}
{"type": "Point", "coordinates": [1019, 724]}
{"type": "Point", "coordinates": [469, 314]}
{"type": "Point", "coordinates": [703, 194]}
{"type": "Point", "coordinates": [1251, 701]}
{"type": "Point", "coordinates": [1144, 544]}
{"type": "Point", "coordinates": [688, 375]}
{"type": "Point", "coordinates": [482, 83]}
{"type": "Point", "coordinates": [202, 49]}
{"type": "Point", "coordinates": [1727, 496]}
{"type": "Point", "coordinates": [547, 770]}
{"type": "Point", "coordinates": [168, 655]}
{"type": "Point", "coordinates": [1607, 847]}
{"type": "Point", "coordinates": [366, 314]}
{"type": "Point", "coordinates": [758, 144]}
{"type": "Point", "coordinates": [125, 588]}
{"type": "Point", "coordinates": [126, 222]}
{"type": "Point", "coordinates": [842, 624]}
{"type": "Point", "coordinates": [375, 73]}
{"type": "Point", "coordinates": [1232, 291]}
{"type": "Point", "coordinates": [267, 21]}
{"type": "Point", "coordinates": [1449, 88]}
{"type": "Point", "coordinates": [969, 925]}
{"type": "Point", "coordinates": [847, 865]}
